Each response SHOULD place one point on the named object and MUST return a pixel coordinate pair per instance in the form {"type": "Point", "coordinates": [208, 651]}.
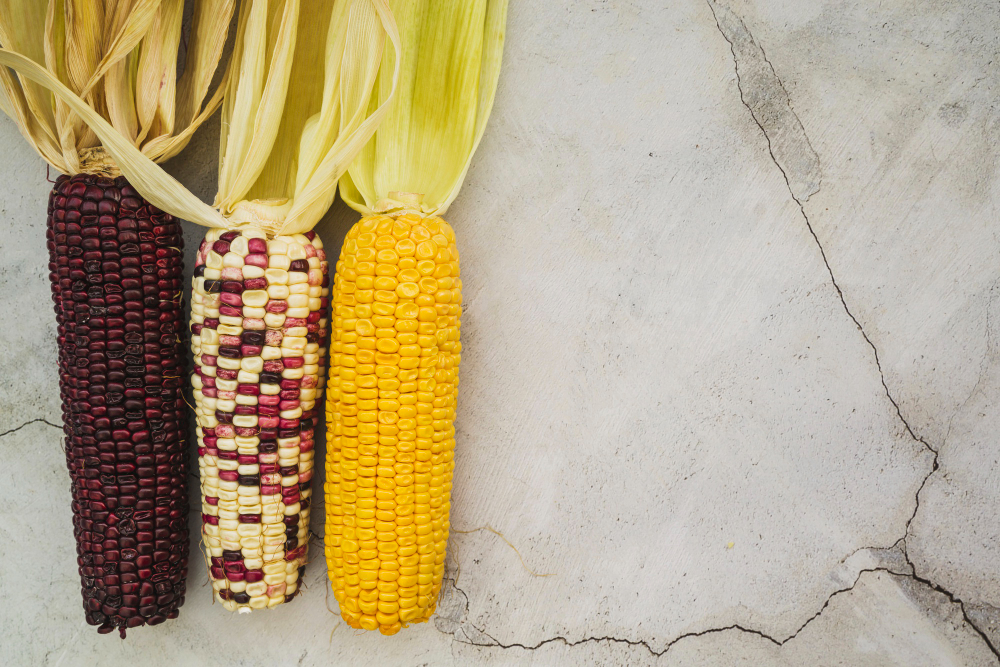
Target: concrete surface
{"type": "Point", "coordinates": [730, 360]}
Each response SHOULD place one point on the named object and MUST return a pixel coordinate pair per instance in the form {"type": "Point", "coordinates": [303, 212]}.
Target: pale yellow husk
{"type": "Point", "coordinates": [118, 58]}
{"type": "Point", "coordinates": [421, 152]}
{"type": "Point", "coordinates": [298, 108]}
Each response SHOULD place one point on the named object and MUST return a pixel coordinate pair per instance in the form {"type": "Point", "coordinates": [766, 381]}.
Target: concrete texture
{"type": "Point", "coordinates": [731, 348]}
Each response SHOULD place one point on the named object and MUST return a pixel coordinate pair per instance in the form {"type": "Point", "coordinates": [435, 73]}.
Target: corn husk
{"type": "Point", "coordinates": [118, 59]}
{"type": "Point", "coordinates": [421, 152]}
{"type": "Point", "coordinates": [298, 108]}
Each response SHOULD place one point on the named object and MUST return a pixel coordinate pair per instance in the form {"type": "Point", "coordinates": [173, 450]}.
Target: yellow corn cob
{"type": "Point", "coordinates": [390, 415]}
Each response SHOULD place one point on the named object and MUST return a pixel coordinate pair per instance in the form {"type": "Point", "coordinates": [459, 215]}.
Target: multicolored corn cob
{"type": "Point", "coordinates": [115, 264]}
{"type": "Point", "coordinates": [390, 410]}
{"type": "Point", "coordinates": [259, 332]}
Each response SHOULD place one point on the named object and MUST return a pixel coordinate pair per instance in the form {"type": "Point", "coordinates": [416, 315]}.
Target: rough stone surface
{"type": "Point", "coordinates": [730, 336]}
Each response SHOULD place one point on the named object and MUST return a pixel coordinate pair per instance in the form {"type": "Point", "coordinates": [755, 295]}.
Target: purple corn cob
{"type": "Point", "coordinates": [115, 263]}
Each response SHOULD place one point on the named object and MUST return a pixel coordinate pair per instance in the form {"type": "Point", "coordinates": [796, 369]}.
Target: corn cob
{"type": "Point", "coordinates": [258, 334]}
{"type": "Point", "coordinates": [390, 409]}
{"type": "Point", "coordinates": [115, 264]}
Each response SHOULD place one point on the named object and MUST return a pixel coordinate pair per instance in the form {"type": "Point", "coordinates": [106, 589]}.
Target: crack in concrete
{"type": "Point", "coordinates": [494, 643]}
{"type": "Point", "coordinates": [457, 621]}
{"type": "Point", "coordinates": [28, 423]}
{"type": "Point", "coordinates": [794, 191]}
{"type": "Point", "coordinates": [833, 279]}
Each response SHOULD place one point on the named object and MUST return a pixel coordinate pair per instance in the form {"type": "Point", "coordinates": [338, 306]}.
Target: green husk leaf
{"type": "Point", "coordinates": [452, 51]}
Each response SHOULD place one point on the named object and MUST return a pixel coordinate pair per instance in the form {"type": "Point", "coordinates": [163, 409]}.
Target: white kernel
{"type": "Point", "coordinates": [270, 352]}
{"type": "Point", "coordinates": [255, 298]}
{"type": "Point", "coordinates": [245, 377]}
{"type": "Point", "coordinates": [248, 469]}
{"type": "Point", "coordinates": [232, 260]}
{"type": "Point", "coordinates": [279, 262]}
{"type": "Point", "coordinates": [257, 588]}
{"type": "Point", "coordinates": [276, 276]}
{"type": "Point", "coordinates": [273, 579]}
{"type": "Point", "coordinates": [254, 312]}
{"type": "Point", "coordinates": [252, 364]}
{"type": "Point", "coordinates": [245, 421]}
{"type": "Point", "coordinates": [237, 586]}
{"type": "Point", "coordinates": [230, 326]}
{"type": "Point", "coordinates": [302, 312]}
{"type": "Point", "coordinates": [297, 301]}
{"type": "Point", "coordinates": [212, 273]}
{"type": "Point", "coordinates": [250, 271]}
{"type": "Point", "coordinates": [249, 530]}
{"type": "Point", "coordinates": [277, 291]}
{"type": "Point", "coordinates": [274, 320]}
{"type": "Point", "coordinates": [278, 246]}
{"type": "Point", "coordinates": [240, 245]}
{"type": "Point", "coordinates": [226, 385]}
{"type": "Point", "coordinates": [272, 529]}
{"type": "Point", "coordinates": [214, 261]}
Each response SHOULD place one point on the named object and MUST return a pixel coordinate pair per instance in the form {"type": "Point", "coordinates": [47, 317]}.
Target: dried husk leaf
{"type": "Point", "coordinates": [452, 51]}
{"type": "Point", "coordinates": [298, 77]}
{"type": "Point", "coordinates": [119, 59]}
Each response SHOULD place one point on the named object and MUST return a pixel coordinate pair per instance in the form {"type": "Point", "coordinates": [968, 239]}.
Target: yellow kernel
{"type": "Point", "coordinates": [407, 290]}
{"type": "Point", "coordinates": [425, 267]}
{"type": "Point", "coordinates": [385, 283]}
{"type": "Point", "coordinates": [426, 249]}
{"type": "Point", "coordinates": [387, 256]}
{"type": "Point", "coordinates": [409, 276]}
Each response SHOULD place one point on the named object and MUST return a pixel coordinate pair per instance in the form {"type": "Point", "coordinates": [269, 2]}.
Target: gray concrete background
{"type": "Point", "coordinates": [730, 366]}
